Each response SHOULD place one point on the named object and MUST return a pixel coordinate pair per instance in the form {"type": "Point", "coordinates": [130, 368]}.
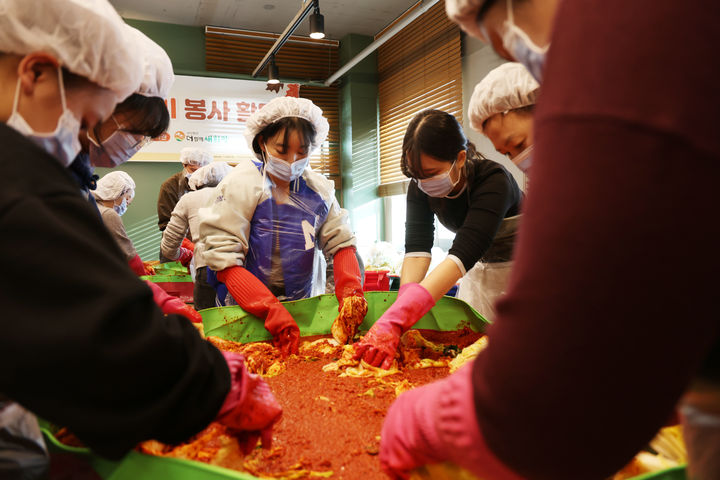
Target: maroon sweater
{"type": "Point", "coordinates": [612, 307]}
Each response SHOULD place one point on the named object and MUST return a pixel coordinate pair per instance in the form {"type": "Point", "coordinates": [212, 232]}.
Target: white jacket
{"type": "Point", "coordinates": [186, 216]}
{"type": "Point", "coordinates": [225, 224]}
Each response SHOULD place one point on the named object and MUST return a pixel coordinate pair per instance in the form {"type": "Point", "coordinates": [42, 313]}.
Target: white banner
{"type": "Point", "coordinates": [210, 113]}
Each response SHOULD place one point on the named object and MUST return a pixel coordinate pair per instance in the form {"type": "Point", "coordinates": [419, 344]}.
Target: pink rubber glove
{"type": "Point", "coordinates": [250, 408]}
{"type": "Point", "coordinates": [379, 345]}
{"type": "Point", "coordinates": [437, 423]}
{"type": "Point", "coordinates": [169, 304]}
{"type": "Point", "coordinates": [185, 256]}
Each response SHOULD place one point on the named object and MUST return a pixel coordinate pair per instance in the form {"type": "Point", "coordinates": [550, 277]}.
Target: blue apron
{"type": "Point", "coordinates": [291, 227]}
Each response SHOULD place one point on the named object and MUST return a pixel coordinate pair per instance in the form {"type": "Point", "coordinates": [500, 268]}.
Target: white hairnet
{"type": "Point", "coordinates": [88, 37]}
{"type": "Point", "coordinates": [158, 74]}
{"type": "Point", "coordinates": [464, 13]}
{"type": "Point", "coordinates": [195, 156]}
{"type": "Point", "coordinates": [209, 175]}
{"type": "Point", "coordinates": [282, 107]}
{"type": "Point", "coordinates": [114, 185]}
{"type": "Point", "coordinates": [505, 88]}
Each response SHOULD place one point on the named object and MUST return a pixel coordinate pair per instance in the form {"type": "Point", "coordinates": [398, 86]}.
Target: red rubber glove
{"type": "Point", "coordinates": [185, 256]}
{"type": "Point", "coordinates": [136, 265]}
{"type": "Point", "coordinates": [379, 345]}
{"type": "Point", "coordinates": [437, 423]}
{"type": "Point", "coordinates": [250, 408]}
{"type": "Point", "coordinates": [254, 297]}
{"type": "Point", "coordinates": [169, 304]}
{"type": "Point", "coordinates": [186, 243]}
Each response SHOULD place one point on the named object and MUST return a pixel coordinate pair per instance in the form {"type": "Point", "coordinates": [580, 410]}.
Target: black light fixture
{"type": "Point", "coordinates": [317, 23]}
{"type": "Point", "coordinates": [273, 74]}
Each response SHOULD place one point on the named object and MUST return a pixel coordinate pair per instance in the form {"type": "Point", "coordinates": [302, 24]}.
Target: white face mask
{"type": "Point", "coordinates": [440, 185]}
{"type": "Point", "coordinates": [523, 160]}
{"type": "Point", "coordinates": [117, 149]}
{"type": "Point", "coordinates": [282, 170]}
{"type": "Point", "coordinates": [122, 208]}
{"type": "Point", "coordinates": [522, 47]}
{"type": "Point", "coordinates": [62, 143]}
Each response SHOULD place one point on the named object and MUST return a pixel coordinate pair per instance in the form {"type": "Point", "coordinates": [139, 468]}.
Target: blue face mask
{"type": "Point", "coordinates": [283, 170]}
{"type": "Point", "coordinates": [522, 48]}
{"type": "Point", "coordinates": [117, 148]}
{"type": "Point", "coordinates": [63, 142]}
{"type": "Point", "coordinates": [523, 160]}
{"type": "Point", "coordinates": [122, 208]}
{"type": "Point", "coordinates": [440, 185]}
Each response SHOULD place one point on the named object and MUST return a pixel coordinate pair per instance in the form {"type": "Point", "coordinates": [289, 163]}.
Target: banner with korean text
{"type": "Point", "coordinates": [210, 113]}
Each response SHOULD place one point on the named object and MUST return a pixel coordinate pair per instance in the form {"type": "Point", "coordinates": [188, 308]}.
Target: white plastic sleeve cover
{"type": "Point", "coordinates": [458, 263]}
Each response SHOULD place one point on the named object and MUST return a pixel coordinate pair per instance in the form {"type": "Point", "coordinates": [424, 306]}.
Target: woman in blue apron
{"type": "Point", "coordinates": [273, 220]}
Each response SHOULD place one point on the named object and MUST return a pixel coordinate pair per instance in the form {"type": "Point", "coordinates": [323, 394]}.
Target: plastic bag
{"type": "Point", "coordinates": [382, 256]}
{"type": "Point", "coordinates": [22, 449]}
{"type": "Point", "coordinates": [282, 250]}
{"type": "Point", "coordinates": [701, 431]}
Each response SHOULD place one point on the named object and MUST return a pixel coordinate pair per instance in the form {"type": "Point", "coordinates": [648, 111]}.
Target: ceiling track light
{"type": "Point", "coordinates": [317, 22]}
{"type": "Point", "coordinates": [273, 73]}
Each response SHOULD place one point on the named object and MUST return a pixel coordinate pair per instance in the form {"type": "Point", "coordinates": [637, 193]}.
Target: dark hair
{"type": "Point", "coordinates": [73, 80]}
{"type": "Point", "coordinates": [305, 129]}
{"type": "Point", "coordinates": [484, 9]}
{"type": "Point", "coordinates": [437, 134]}
{"type": "Point", "coordinates": [146, 116]}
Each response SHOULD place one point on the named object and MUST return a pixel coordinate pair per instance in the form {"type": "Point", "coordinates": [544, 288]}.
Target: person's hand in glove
{"type": "Point", "coordinates": [250, 409]}
{"type": "Point", "coordinates": [437, 423]}
{"type": "Point", "coordinates": [169, 304]}
{"type": "Point", "coordinates": [185, 256]}
{"type": "Point", "coordinates": [348, 290]}
{"type": "Point", "coordinates": [137, 266]}
{"type": "Point", "coordinates": [186, 243]}
{"type": "Point", "coordinates": [379, 345]}
{"type": "Point", "coordinates": [254, 297]}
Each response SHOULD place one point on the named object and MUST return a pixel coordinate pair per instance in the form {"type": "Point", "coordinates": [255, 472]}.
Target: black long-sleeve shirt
{"type": "Point", "coordinates": [82, 343]}
{"type": "Point", "coordinates": [491, 195]}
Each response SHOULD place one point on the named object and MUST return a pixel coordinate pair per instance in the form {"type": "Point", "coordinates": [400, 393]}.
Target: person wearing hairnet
{"type": "Point", "coordinates": [114, 193]}
{"type": "Point", "coordinates": [135, 121]}
{"type": "Point", "coordinates": [501, 108]}
{"type": "Point", "coordinates": [270, 217]}
{"type": "Point", "coordinates": [185, 219]}
{"type": "Point", "coordinates": [95, 354]}
{"type": "Point", "coordinates": [472, 196]}
{"type": "Point", "coordinates": [616, 262]}
{"type": "Point", "coordinates": [176, 186]}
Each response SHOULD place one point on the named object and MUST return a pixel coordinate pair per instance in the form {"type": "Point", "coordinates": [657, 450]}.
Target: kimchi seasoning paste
{"type": "Point", "coordinates": [332, 423]}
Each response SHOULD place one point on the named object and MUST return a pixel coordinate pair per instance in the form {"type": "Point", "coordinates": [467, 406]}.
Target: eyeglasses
{"type": "Point", "coordinates": [140, 140]}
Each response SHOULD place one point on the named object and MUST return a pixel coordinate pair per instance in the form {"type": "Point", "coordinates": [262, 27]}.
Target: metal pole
{"type": "Point", "coordinates": [292, 26]}
{"type": "Point", "coordinates": [422, 8]}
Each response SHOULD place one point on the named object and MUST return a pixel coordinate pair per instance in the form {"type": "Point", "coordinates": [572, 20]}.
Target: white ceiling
{"type": "Point", "coordinates": [366, 17]}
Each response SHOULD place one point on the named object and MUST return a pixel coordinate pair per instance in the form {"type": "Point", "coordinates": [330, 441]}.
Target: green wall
{"type": "Point", "coordinates": [141, 217]}
{"type": "Point", "coordinates": [185, 45]}
{"type": "Point", "coordinates": [359, 141]}
{"type": "Point", "coordinates": [358, 136]}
